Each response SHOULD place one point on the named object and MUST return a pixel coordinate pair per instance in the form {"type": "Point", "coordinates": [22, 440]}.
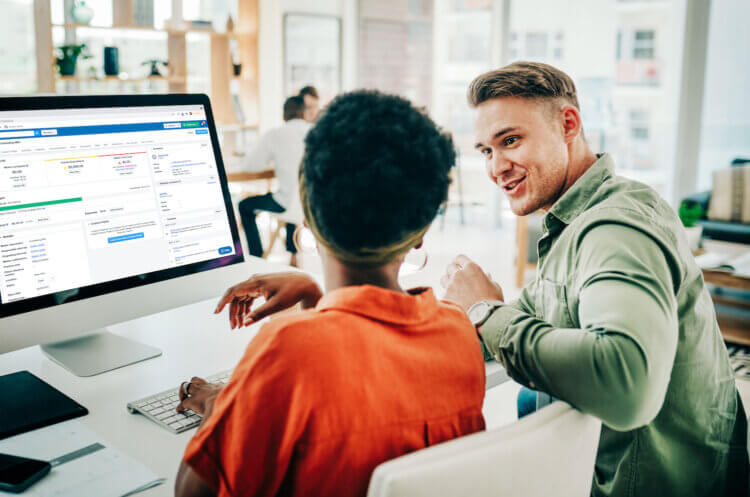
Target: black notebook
{"type": "Point", "coordinates": [28, 403]}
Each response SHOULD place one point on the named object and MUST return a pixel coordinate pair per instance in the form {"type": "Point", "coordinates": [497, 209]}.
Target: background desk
{"type": "Point", "coordinates": [194, 341]}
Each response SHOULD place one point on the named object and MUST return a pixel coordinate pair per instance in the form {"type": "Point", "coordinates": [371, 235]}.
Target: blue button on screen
{"type": "Point", "coordinates": [123, 238]}
{"type": "Point", "coordinates": [201, 131]}
{"type": "Point", "coordinates": [225, 250]}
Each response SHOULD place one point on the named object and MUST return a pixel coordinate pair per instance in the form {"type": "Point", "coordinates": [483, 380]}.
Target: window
{"type": "Point", "coordinates": [643, 45]}
{"type": "Point", "coordinates": [396, 48]}
{"type": "Point", "coordinates": [639, 133]}
{"type": "Point", "coordinates": [725, 121]}
{"type": "Point", "coordinates": [639, 124]}
{"type": "Point", "coordinates": [470, 5]}
{"type": "Point", "coordinates": [17, 59]}
{"type": "Point", "coordinates": [214, 11]}
{"type": "Point", "coordinates": [539, 46]}
{"type": "Point", "coordinates": [628, 96]}
{"type": "Point", "coordinates": [557, 46]}
{"type": "Point", "coordinates": [462, 52]}
{"type": "Point", "coordinates": [312, 54]}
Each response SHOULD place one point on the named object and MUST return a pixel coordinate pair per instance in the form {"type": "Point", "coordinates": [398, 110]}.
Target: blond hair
{"type": "Point", "coordinates": [533, 80]}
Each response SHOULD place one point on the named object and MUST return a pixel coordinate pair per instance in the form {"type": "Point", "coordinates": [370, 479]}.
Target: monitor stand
{"type": "Point", "coordinates": [98, 353]}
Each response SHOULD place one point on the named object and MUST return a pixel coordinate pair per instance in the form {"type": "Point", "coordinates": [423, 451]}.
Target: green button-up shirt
{"type": "Point", "coordinates": [619, 324]}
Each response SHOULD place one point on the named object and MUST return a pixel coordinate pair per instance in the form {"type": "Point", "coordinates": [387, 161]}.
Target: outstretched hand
{"type": "Point", "coordinates": [281, 291]}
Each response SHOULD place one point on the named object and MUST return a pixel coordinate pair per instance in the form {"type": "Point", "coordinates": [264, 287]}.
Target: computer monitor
{"type": "Point", "coordinates": [111, 208]}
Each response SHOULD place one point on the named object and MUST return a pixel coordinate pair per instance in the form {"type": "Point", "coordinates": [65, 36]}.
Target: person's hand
{"type": "Point", "coordinates": [198, 395]}
{"type": "Point", "coordinates": [466, 284]}
{"type": "Point", "coordinates": [281, 291]}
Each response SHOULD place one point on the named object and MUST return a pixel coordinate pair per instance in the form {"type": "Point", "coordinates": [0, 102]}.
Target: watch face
{"type": "Point", "coordinates": [477, 311]}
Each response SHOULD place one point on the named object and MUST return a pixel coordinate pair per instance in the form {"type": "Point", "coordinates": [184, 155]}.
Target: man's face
{"type": "Point", "coordinates": [312, 106]}
{"type": "Point", "coordinates": [525, 150]}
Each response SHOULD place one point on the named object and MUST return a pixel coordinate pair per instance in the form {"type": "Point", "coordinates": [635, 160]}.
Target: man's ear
{"type": "Point", "coordinates": [571, 122]}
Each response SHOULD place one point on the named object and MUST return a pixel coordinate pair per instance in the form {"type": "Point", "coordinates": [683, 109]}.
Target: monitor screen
{"type": "Point", "coordinates": [98, 199]}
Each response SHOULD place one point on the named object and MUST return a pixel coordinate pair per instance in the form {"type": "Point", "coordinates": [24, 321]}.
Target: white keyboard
{"type": "Point", "coordinates": [160, 408]}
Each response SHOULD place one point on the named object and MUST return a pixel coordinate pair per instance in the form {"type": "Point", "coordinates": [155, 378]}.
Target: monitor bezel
{"type": "Point", "coordinates": [108, 287]}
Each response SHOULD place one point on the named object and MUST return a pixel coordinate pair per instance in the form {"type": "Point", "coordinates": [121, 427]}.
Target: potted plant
{"type": "Point", "coordinates": [690, 213]}
{"type": "Point", "coordinates": [68, 57]}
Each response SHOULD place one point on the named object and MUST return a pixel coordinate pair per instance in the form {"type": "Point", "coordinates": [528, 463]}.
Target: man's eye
{"type": "Point", "coordinates": [486, 152]}
{"type": "Point", "coordinates": [510, 140]}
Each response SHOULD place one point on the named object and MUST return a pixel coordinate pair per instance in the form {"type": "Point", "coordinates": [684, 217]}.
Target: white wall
{"type": "Point", "coordinates": [270, 48]}
{"type": "Point", "coordinates": [725, 131]}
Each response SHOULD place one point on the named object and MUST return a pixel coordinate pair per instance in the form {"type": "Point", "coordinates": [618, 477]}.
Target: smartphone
{"type": "Point", "coordinates": [19, 473]}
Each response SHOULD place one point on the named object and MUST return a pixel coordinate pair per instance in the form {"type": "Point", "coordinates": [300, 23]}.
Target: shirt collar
{"type": "Point", "coordinates": [578, 196]}
{"type": "Point", "coordinates": [417, 306]}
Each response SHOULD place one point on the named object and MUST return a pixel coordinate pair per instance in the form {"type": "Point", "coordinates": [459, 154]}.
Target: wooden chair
{"type": "Point", "coordinates": [522, 249]}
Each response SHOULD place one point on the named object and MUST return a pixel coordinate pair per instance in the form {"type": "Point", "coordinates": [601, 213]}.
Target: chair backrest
{"type": "Point", "coordinates": [550, 452]}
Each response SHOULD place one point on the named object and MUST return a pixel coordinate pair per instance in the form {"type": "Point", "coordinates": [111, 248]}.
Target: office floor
{"type": "Point", "coordinates": [493, 250]}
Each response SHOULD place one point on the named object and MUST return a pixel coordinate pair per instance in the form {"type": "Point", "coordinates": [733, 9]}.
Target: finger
{"type": "Point", "coordinates": [225, 299]}
{"type": "Point", "coordinates": [246, 308]}
{"type": "Point", "coordinates": [236, 312]}
{"type": "Point", "coordinates": [462, 260]}
{"type": "Point", "coordinates": [444, 280]}
{"type": "Point", "coordinates": [232, 311]}
{"type": "Point", "coordinates": [246, 288]}
{"type": "Point", "coordinates": [188, 403]}
{"type": "Point", "coordinates": [181, 391]}
{"type": "Point", "coordinates": [269, 307]}
{"type": "Point", "coordinates": [452, 269]}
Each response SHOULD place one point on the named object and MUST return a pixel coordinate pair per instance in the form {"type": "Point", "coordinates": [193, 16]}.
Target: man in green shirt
{"type": "Point", "coordinates": [618, 321]}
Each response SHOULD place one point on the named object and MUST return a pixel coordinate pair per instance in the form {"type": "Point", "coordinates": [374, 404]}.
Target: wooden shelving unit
{"type": "Point", "coordinates": [734, 327]}
{"type": "Point", "coordinates": [220, 71]}
{"type": "Point", "coordinates": [166, 79]}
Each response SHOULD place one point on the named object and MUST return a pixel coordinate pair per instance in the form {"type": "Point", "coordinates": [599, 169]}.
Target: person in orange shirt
{"type": "Point", "coordinates": [368, 372]}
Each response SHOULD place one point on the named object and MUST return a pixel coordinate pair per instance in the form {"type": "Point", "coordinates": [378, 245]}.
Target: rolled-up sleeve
{"type": "Point", "coordinates": [616, 365]}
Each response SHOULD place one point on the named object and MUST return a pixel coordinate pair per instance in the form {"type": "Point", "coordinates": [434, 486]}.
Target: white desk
{"type": "Point", "coordinates": [194, 341]}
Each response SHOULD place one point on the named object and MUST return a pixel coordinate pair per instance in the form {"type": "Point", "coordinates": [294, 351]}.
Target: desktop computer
{"type": "Point", "coordinates": [111, 208]}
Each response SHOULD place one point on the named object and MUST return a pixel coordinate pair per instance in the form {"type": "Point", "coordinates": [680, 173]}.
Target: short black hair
{"type": "Point", "coordinates": [294, 108]}
{"type": "Point", "coordinates": [376, 170]}
{"type": "Point", "coordinates": [308, 90]}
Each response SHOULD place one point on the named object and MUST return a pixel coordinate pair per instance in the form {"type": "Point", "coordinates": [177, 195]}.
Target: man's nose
{"type": "Point", "coordinates": [499, 165]}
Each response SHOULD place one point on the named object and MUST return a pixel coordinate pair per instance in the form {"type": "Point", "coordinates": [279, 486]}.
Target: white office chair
{"type": "Point", "coordinates": [550, 452]}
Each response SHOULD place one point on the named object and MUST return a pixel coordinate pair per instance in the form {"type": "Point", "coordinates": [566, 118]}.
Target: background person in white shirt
{"type": "Point", "coordinates": [284, 146]}
{"type": "Point", "coordinates": [312, 102]}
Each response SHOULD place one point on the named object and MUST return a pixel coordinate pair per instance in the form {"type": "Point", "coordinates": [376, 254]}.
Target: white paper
{"type": "Point", "coordinates": [104, 473]}
{"type": "Point", "coordinates": [738, 264]}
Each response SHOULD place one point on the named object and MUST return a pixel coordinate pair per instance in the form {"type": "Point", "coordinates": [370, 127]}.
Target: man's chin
{"type": "Point", "coordinates": [521, 208]}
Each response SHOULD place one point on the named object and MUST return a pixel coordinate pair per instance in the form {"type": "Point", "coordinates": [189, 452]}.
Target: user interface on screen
{"type": "Point", "coordinates": [94, 195]}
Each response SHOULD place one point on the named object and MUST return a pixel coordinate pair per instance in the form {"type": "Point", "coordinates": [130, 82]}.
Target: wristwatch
{"type": "Point", "coordinates": [482, 310]}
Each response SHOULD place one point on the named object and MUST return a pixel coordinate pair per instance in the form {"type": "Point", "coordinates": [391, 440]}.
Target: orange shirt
{"type": "Point", "coordinates": [322, 397]}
